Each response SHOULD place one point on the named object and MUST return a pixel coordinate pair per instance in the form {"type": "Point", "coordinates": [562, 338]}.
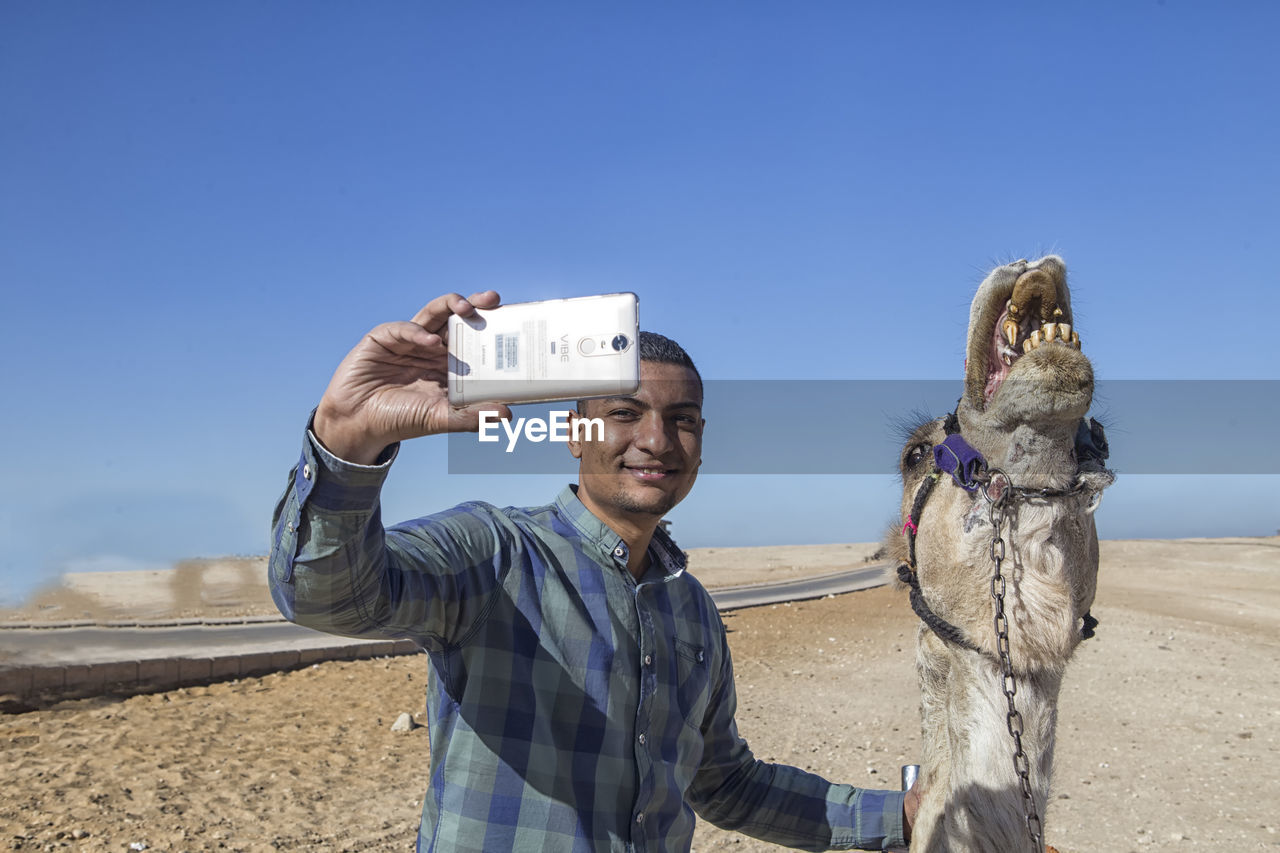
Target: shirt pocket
{"type": "Point", "coordinates": [693, 682]}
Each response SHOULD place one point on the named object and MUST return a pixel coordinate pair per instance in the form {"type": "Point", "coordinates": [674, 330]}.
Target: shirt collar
{"type": "Point", "coordinates": [609, 544]}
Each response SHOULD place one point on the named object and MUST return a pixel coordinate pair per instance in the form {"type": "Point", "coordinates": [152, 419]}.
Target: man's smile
{"type": "Point", "coordinates": [650, 473]}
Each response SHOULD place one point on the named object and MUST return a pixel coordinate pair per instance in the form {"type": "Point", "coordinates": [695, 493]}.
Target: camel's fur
{"type": "Point", "coordinates": [971, 799]}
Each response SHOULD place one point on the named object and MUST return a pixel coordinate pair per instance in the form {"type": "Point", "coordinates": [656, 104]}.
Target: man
{"type": "Point", "coordinates": [580, 691]}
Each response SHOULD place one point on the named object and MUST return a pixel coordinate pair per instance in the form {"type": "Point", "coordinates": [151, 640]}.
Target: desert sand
{"type": "Point", "coordinates": [1167, 732]}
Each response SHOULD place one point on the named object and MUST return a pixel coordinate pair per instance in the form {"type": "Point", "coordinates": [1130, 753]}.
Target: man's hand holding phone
{"type": "Point", "coordinates": [394, 385]}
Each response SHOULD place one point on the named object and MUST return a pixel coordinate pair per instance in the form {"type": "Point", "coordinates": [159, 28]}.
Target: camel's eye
{"type": "Point", "coordinates": [916, 455]}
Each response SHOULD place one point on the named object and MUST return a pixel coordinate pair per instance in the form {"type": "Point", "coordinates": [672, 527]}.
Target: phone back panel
{"type": "Point", "coordinates": [558, 349]}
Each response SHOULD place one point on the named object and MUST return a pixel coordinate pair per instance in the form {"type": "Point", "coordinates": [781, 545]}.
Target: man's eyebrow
{"type": "Point", "coordinates": [683, 404]}
{"type": "Point", "coordinates": [617, 399]}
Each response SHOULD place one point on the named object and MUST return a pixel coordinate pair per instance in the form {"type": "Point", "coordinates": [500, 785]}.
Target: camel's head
{"type": "Point", "coordinates": [1027, 382]}
{"type": "Point", "coordinates": [1027, 389]}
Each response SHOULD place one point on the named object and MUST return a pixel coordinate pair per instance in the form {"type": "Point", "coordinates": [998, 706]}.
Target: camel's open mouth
{"type": "Point", "coordinates": [1022, 309]}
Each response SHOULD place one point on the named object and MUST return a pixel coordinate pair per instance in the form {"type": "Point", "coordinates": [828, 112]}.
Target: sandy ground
{"type": "Point", "coordinates": [1167, 736]}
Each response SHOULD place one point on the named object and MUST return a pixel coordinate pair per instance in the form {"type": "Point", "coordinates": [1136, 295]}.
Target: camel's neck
{"type": "Point", "coordinates": [986, 794]}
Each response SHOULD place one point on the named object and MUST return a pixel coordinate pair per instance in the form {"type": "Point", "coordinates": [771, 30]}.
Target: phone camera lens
{"type": "Point", "coordinates": [620, 342]}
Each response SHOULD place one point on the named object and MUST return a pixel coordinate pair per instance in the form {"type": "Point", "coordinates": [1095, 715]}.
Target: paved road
{"type": "Point", "coordinates": [820, 586]}
{"type": "Point", "coordinates": [88, 645]}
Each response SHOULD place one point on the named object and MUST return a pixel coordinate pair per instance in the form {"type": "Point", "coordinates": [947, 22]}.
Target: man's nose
{"type": "Point", "coordinates": [654, 434]}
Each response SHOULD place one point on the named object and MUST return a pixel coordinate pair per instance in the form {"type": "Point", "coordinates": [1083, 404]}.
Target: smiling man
{"type": "Point", "coordinates": [580, 689]}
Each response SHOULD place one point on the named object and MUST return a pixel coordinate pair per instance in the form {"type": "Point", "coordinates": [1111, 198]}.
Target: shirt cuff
{"type": "Point", "coordinates": [342, 467]}
{"type": "Point", "coordinates": [328, 483]}
{"type": "Point", "coordinates": [876, 821]}
{"type": "Point", "coordinates": [894, 831]}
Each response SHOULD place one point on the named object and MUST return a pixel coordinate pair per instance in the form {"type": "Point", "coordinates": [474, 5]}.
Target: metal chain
{"type": "Point", "coordinates": [1028, 492]}
{"type": "Point", "coordinates": [1009, 683]}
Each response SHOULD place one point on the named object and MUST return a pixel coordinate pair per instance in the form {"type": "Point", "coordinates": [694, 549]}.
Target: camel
{"type": "Point", "coordinates": [991, 650]}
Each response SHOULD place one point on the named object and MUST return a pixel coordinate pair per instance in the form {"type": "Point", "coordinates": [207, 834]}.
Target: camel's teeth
{"type": "Point", "coordinates": [1057, 312]}
{"type": "Point", "coordinates": [1035, 339]}
{"type": "Point", "coordinates": [1064, 332]}
{"type": "Point", "coordinates": [1008, 362]}
{"type": "Point", "coordinates": [1012, 308]}
{"type": "Point", "coordinates": [1050, 331]}
{"type": "Point", "coordinates": [1011, 331]}
{"type": "Point", "coordinates": [1026, 346]}
{"type": "Point", "coordinates": [1075, 340]}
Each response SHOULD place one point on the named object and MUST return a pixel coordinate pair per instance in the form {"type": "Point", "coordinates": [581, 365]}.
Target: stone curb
{"type": "Point", "coordinates": [212, 621]}
{"type": "Point", "coordinates": [30, 687]}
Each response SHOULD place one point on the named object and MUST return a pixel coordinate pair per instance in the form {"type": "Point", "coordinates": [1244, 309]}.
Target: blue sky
{"type": "Point", "coordinates": [203, 207]}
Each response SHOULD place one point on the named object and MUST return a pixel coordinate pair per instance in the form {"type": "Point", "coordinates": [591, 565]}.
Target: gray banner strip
{"type": "Point", "coordinates": [855, 427]}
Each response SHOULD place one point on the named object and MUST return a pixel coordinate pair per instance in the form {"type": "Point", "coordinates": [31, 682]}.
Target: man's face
{"type": "Point", "coordinates": [652, 446]}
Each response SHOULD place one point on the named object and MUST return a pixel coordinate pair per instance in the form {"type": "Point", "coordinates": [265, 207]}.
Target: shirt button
{"type": "Point", "coordinates": [618, 552]}
{"type": "Point", "coordinates": [642, 738]}
{"type": "Point", "coordinates": [640, 818]}
{"type": "Point", "coordinates": [306, 472]}
{"type": "Point", "coordinates": [700, 657]}
{"type": "Point", "coordinates": [648, 660]}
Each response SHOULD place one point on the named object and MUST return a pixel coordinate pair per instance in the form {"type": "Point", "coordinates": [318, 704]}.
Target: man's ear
{"type": "Point", "coordinates": [701, 432]}
{"type": "Point", "coordinates": [575, 447]}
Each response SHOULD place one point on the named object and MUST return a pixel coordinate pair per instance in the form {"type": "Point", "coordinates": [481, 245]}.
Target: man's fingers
{"type": "Point", "coordinates": [467, 419]}
{"type": "Point", "coordinates": [485, 299]}
{"type": "Point", "coordinates": [435, 314]}
{"type": "Point", "coordinates": [407, 339]}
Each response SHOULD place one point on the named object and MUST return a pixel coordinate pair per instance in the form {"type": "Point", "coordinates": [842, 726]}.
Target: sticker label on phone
{"type": "Point", "coordinates": [506, 352]}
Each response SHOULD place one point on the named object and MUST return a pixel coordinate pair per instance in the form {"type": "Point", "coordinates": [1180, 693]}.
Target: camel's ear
{"type": "Point", "coordinates": [893, 549]}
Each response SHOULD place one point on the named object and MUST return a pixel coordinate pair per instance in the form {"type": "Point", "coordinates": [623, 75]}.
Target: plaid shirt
{"type": "Point", "coordinates": [570, 706]}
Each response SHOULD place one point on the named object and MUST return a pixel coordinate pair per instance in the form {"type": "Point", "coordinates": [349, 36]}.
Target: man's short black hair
{"type": "Point", "coordinates": [661, 350]}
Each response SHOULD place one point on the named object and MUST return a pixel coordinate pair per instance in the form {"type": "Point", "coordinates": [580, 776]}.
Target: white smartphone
{"type": "Point", "coordinates": [533, 352]}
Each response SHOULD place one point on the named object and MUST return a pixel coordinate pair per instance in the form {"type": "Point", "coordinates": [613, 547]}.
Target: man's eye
{"type": "Point", "coordinates": [622, 413]}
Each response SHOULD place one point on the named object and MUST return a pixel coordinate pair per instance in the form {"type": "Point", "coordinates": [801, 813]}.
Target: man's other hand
{"type": "Point", "coordinates": [910, 806]}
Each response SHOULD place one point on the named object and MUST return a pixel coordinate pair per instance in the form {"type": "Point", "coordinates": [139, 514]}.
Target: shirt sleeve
{"type": "Point", "coordinates": [782, 804]}
{"type": "Point", "coordinates": [333, 567]}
